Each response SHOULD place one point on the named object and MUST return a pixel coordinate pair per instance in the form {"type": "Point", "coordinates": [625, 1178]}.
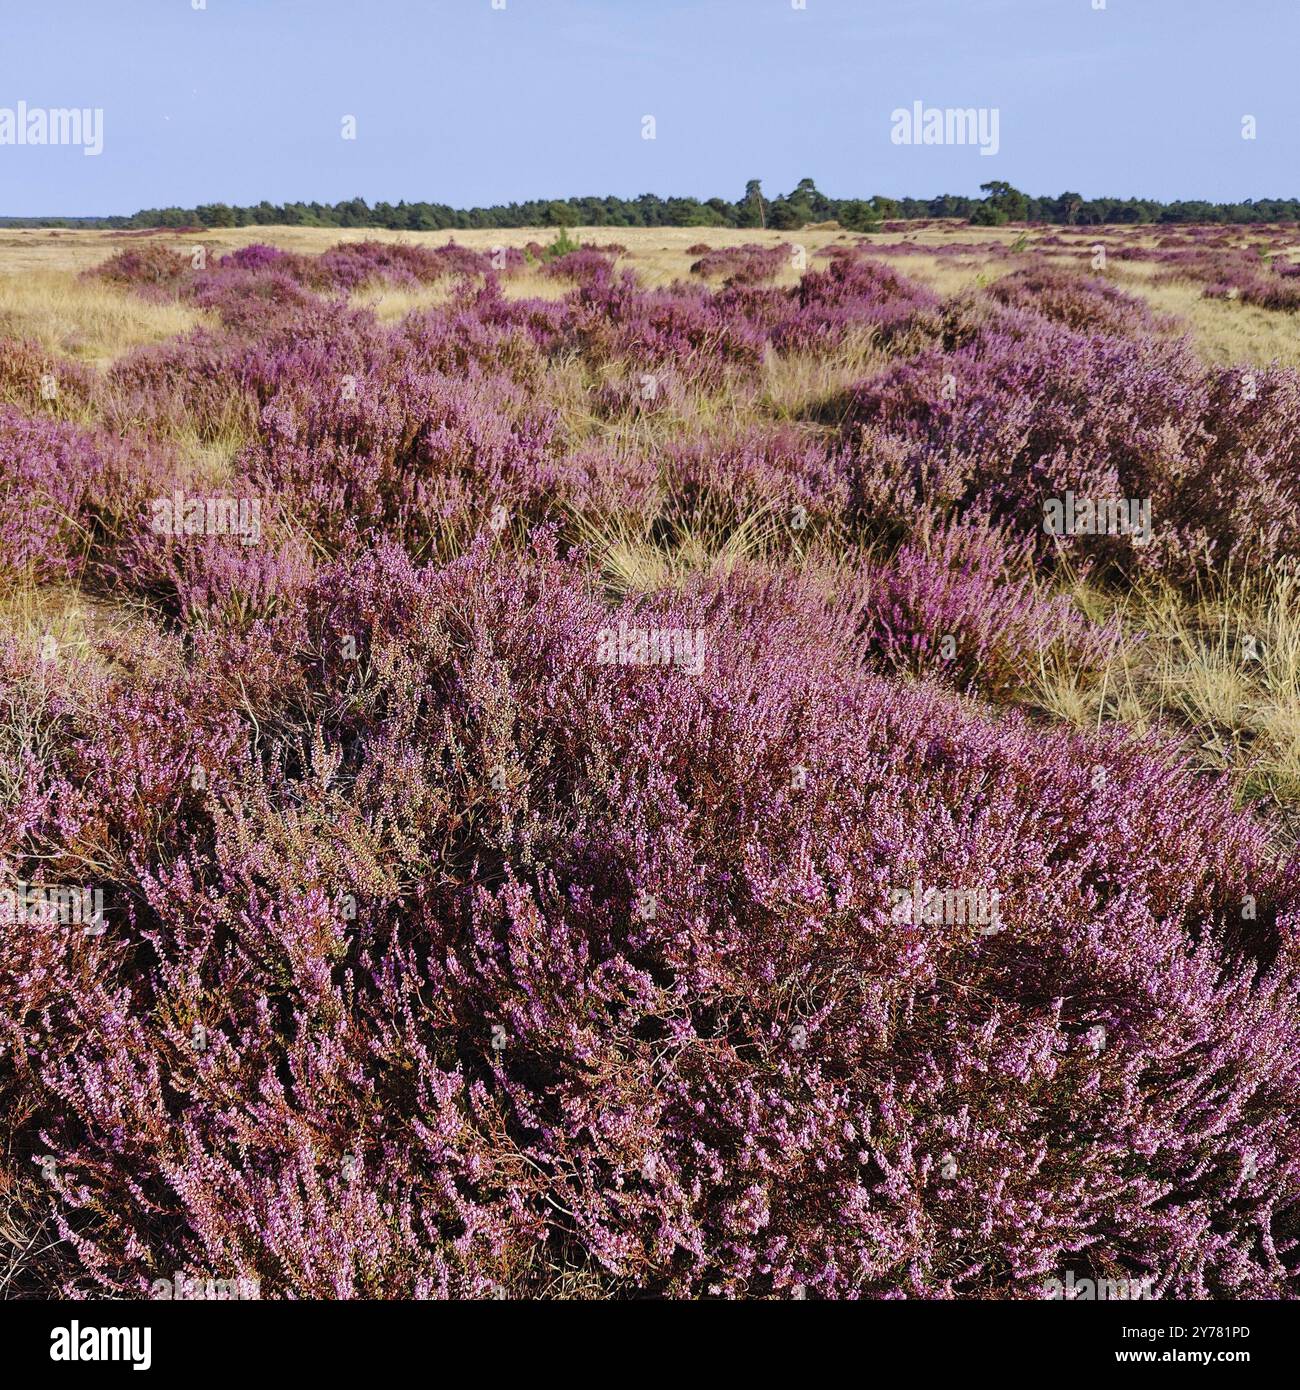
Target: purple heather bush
{"type": "Point", "coordinates": [749, 264]}
{"type": "Point", "coordinates": [962, 606]}
{"type": "Point", "coordinates": [151, 269]}
{"type": "Point", "coordinates": [39, 381]}
{"type": "Point", "coordinates": [45, 475]}
{"type": "Point", "coordinates": [485, 333]}
{"type": "Point", "coordinates": [682, 328]}
{"type": "Point", "coordinates": [211, 382]}
{"type": "Point", "coordinates": [245, 299]}
{"type": "Point", "coordinates": [793, 478]}
{"type": "Point", "coordinates": [585, 266]}
{"type": "Point", "coordinates": [1252, 276]}
{"type": "Point", "coordinates": [256, 256]}
{"type": "Point", "coordinates": [1020, 413]}
{"type": "Point", "coordinates": [854, 293]}
{"type": "Point", "coordinates": [1086, 304]}
{"type": "Point", "coordinates": [508, 959]}
{"type": "Point", "coordinates": [408, 456]}
{"type": "Point", "coordinates": [350, 265]}
{"type": "Point", "coordinates": [68, 495]}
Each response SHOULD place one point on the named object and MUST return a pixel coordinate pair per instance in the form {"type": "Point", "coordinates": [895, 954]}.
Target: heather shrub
{"type": "Point", "coordinates": [1264, 291]}
{"type": "Point", "coordinates": [256, 256]}
{"type": "Point", "coordinates": [458, 338]}
{"type": "Point", "coordinates": [1086, 304]}
{"type": "Point", "coordinates": [749, 264]}
{"type": "Point", "coordinates": [63, 492]}
{"type": "Point", "coordinates": [40, 496]}
{"type": "Point", "coordinates": [586, 266]}
{"type": "Point", "coordinates": [351, 265]}
{"type": "Point", "coordinates": [962, 605]}
{"type": "Point", "coordinates": [193, 382]}
{"type": "Point", "coordinates": [151, 269]}
{"type": "Point", "coordinates": [1241, 504]}
{"type": "Point", "coordinates": [724, 494]}
{"type": "Point", "coordinates": [1234, 273]}
{"type": "Point", "coordinates": [247, 300]}
{"type": "Point", "coordinates": [1010, 419]}
{"type": "Point", "coordinates": [654, 329]}
{"type": "Point", "coordinates": [854, 293]}
{"type": "Point", "coordinates": [216, 383]}
{"type": "Point", "coordinates": [791, 477]}
{"type": "Point", "coordinates": [413, 455]}
{"type": "Point", "coordinates": [518, 961]}
{"type": "Point", "coordinates": [39, 381]}
{"type": "Point", "coordinates": [247, 572]}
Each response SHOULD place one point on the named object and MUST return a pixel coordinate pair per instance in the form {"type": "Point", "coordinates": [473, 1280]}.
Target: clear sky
{"type": "Point", "coordinates": [459, 102]}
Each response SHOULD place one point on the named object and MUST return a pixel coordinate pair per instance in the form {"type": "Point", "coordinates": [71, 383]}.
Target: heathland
{"type": "Point", "coordinates": [675, 761]}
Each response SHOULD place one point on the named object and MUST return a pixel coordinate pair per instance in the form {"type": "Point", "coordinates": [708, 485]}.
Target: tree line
{"type": "Point", "coordinates": [786, 212]}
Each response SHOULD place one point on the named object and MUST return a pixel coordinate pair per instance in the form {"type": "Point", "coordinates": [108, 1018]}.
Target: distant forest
{"type": "Point", "coordinates": [785, 212]}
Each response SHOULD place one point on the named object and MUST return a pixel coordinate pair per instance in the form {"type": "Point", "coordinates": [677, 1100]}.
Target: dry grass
{"type": "Point", "coordinates": [659, 254]}
{"type": "Point", "coordinates": [390, 303]}
{"type": "Point", "coordinates": [1226, 332]}
{"type": "Point", "coordinates": [802, 386]}
{"type": "Point", "coordinates": [1221, 669]}
{"type": "Point", "coordinates": [44, 297]}
{"type": "Point", "coordinates": [59, 619]}
{"type": "Point", "coordinates": [82, 319]}
{"type": "Point", "coordinates": [532, 284]}
{"type": "Point", "coordinates": [633, 558]}
{"type": "Point", "coordinates": [948, 276]}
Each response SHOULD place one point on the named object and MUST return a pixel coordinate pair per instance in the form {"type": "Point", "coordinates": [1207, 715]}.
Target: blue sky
{"type": "Point", "coordinates": [461, 103]}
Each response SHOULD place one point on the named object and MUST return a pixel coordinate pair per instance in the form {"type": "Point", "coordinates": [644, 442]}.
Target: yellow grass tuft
{"type": "Point", "coordinates": [634, 559]}
{"type": "Point", "coordinates": [84, 319]}
{"type": "Point", "coordinates": [1222, 670]}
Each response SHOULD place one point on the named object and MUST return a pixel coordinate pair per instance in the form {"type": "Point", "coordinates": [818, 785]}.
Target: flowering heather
{"type": "Point", "coordinates": [406, 456]}
{"type": "Point", "coordinates": [1019, 413]}
{"type": "Point", "coordinates": [853, 293]}
{"type": "Point", "coordinates": [211, 382]}
{"type": "Point", "coordinates": [152, 269]}
{"type": "Point", "coordinates": [744, 265]}
{"type": "Point", "coordinates": [37, 380]}
{"type": "Point", "coordinates": [66, 493]}
{"type": "Point", "coordinates": [793, 478]}
{"type": "Point", "coordinates": [245, 298]}
{"type": "Point", "coordinates": [255, 256]}
{"type": "Point", "coordinates": [537, 991]}
{"type": "Point", "coordinates": [684, 329]}
{"type": "Point", "coordinates": [353, 264]}
{"type": "Point", "coordinates": [1084, 303]}
{"type": "Point", "coordinates": [517, 730]}
{"type": "Point", "coordinates": [964, 607]}
{"type": "Point", "coordinates": [44, 477]}
{"type": "Point", "coordinates": [1253, 276]}
{"type": "Point", "coordinates": [585, 266]}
